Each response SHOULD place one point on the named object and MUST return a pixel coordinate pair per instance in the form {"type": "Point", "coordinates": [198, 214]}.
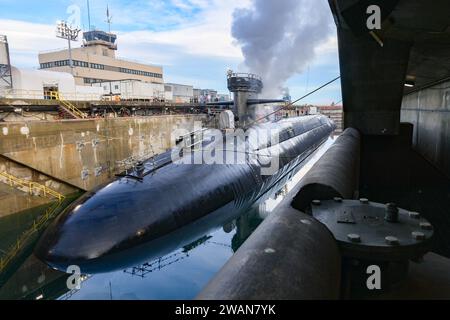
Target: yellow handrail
{"type": "Point", "coordinates": [22, 240]}
{"type": "Point", "coordinates": [31, 185]}
{"type": "Point", "coordinates": [37, 224]}
{"type": "Point", "coordinates": [40, 95]}
{"type": "Point", "coordinates": [72, 108]}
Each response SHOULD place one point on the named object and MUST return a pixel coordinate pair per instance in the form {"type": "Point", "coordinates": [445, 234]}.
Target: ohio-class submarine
{"type": "Point", "coordinates": [181, 194]}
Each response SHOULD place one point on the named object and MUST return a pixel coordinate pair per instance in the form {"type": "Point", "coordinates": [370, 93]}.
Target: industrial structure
{"type": "Point", "coordinates": [244, 87]}
{"type": "Point", "coordinates": [379, 197]}
{"type": "Point", "coordinates": [180, 93]}
{"type": "Point", "coordinates": [5, 64]}
{"type": "Point", "coordinates": [40, 84]}
{"type": "Point", "coordinates": [96, 62]}
{"type": "Point", "coordinates": [334, 111]}
{"type": "Point", "coordinates": [133, 90]}
{"type": "Point", "coordinates": [90, 79]}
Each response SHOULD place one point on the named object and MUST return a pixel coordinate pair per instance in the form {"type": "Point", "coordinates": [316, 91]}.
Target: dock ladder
{"type": "Point", "coordinates": [67, 106]}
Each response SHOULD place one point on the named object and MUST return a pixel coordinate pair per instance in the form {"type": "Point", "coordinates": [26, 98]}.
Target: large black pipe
{"type": "Point", "coordinates": [336, 174]}
{"type": "Point", "coordinates": [290, 256]}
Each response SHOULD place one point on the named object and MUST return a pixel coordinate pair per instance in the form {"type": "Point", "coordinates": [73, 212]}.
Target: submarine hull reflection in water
{"type": "Point", "coordinates": [107, 229]}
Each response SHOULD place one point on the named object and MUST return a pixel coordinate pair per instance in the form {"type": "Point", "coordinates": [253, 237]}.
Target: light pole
{"type": "Point", "coordinates": [64, 31]}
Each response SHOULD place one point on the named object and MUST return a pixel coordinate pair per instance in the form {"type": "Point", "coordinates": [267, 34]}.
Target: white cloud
{"type": "Point", "coordinates": [329, 46]}
{"type": "Point", "coordinates": [208, 35]}
{"type": "Point", "coordinates": [27, 39]}
{"type": "Point", "coordinates": [183, 48]}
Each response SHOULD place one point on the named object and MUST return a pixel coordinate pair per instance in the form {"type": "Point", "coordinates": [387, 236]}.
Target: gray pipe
{"type": "Point", "coordinates": [289, 256]}
{"type": "Point", "coordinates": [336, 174]}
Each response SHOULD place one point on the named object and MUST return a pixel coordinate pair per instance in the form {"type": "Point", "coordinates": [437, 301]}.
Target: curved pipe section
{"type": "Point", "coordinates": [290, 256]}
{"type": "Point", "coordinates": [336, 174]}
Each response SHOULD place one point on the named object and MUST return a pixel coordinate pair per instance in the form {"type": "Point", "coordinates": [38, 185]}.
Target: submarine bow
{"type": "Point", "coordinates": [153, 202]}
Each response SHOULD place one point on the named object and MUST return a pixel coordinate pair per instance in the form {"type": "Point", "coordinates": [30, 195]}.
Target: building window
{"type": "Point", "coordinates": [91, 81]}
{"type": "Point", "coordinates": [97, 66]}
{"type": "Point", "coordinates": [83, 64]}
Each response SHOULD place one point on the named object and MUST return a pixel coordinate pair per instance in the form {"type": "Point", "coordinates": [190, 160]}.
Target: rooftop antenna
{"type": "Point", "coordinates": [89, 15]}
{"type": "Point", "coordinates": [108, 21]}
{"type": "Point", "coordinates": [108, 18]}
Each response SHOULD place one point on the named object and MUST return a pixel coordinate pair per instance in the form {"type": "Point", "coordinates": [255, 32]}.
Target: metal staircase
{"type": "Point", "coordinates": [67, 107]}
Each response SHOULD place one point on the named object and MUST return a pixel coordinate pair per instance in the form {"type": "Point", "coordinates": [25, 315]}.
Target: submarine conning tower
{"type": "Point", "coordinates": [244, 86]}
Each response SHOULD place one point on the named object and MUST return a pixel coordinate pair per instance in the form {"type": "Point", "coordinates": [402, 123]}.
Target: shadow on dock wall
{"type": "Point", "coordinates": [392, 171]}
{"type": "Point", "coordinates": [429, 111]}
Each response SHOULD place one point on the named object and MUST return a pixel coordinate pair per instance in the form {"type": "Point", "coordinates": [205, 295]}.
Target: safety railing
{"type": "Point", "coordinates": [26, 236]}
{"type": "Point", "coordinates": [243, 75]}
{"type": "Point", "coordinates": [33, 187]}
{"type": "Point", "coordinates": [37, 224]}
{"type": "Point", "coordinates": [41, 95]}
{"type": "Point", "coordinates": [76, 96]}
{"type": "Point", "coordinates": [66, 104]}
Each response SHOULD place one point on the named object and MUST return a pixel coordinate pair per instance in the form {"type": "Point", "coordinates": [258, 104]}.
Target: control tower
{"type": "Point", "coordinates": [100, 42]}
{"type": "Point", "coordinates": [245, 86]}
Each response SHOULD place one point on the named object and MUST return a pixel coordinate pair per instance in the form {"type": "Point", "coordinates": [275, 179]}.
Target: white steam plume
{"type": "Point", "coordinates": [278, 38]}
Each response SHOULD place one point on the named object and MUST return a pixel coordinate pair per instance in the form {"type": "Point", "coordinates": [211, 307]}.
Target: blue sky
{"type": "Point", "coordinates": [191, 39]}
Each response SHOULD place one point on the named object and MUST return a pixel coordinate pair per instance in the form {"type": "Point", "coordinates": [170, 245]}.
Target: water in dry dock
{"type": "Point", "coordinates": [178, 275]}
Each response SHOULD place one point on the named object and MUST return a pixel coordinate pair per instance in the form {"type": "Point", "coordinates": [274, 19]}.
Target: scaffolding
{"type": "Point", "coordinates": [6, 81]}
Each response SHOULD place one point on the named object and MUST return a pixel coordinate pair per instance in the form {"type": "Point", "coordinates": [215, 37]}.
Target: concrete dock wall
{"type": "Point", "coordinates": [17, 198]}
{"type": "Point", "coordinates": [429, 111]}
{"type": "Point", "coordinates": [87, 153]}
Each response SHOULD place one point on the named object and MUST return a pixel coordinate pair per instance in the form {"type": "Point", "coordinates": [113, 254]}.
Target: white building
{"type": "Point", "coordinates": [37, 84]}
{"type": "Point", "coordinates": [133, 90]}
{"type": "Point", "coordinates": [223, 97]}
{"type": "Point", "coordinates": [181, 93]}
{"type": "Point", "coordinates": [96, 61]}
{"type": "Point", "coordinates": [209, 95]}
{"type": "Point", "coordinates": [168, 93]}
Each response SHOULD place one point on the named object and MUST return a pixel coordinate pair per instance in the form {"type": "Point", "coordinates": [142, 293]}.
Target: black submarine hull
{"type": "Point", "coordinates": [106, 229]}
